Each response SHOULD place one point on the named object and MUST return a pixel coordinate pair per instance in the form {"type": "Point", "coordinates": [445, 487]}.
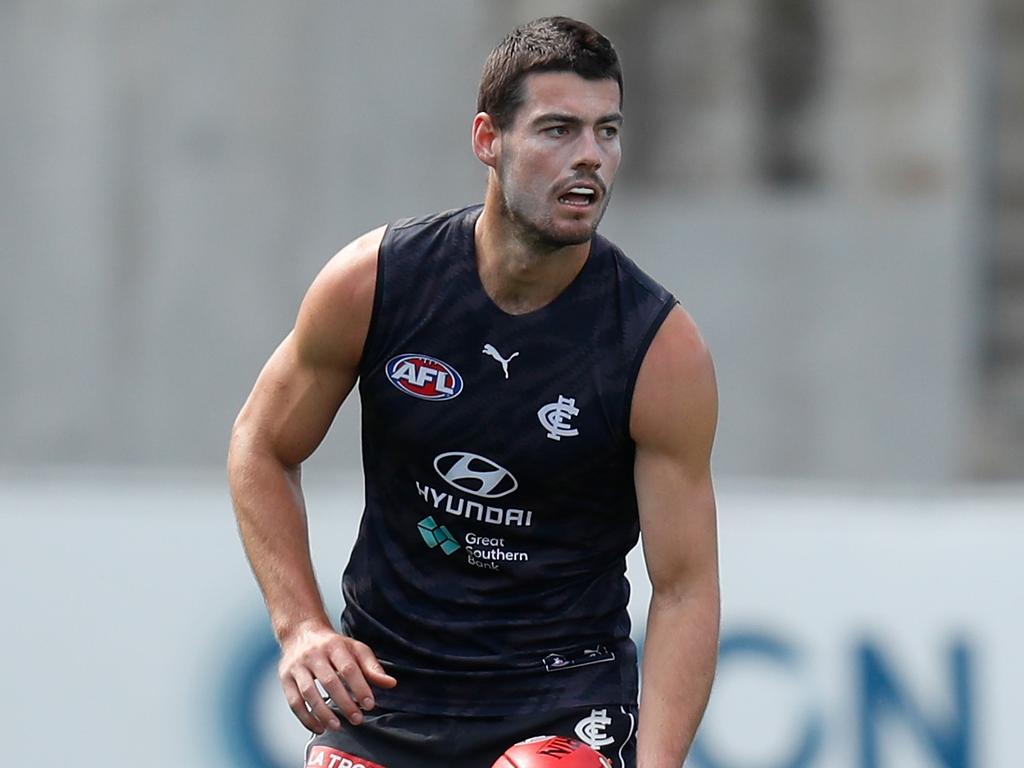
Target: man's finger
{"type": "Point", "coordinates": [358, 688]}
{"type": "Point", "coordinates": [371, 666]}
{"type": "Point", "coordinates": [311, 694]}
{"type": "Point", "coordinates": [334, 685]}
{"type": "Point", "coordinates": [297, 704]}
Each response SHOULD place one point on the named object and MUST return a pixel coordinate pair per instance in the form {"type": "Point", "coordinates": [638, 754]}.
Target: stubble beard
{"type": "Point", "coordinates": [540, 230]}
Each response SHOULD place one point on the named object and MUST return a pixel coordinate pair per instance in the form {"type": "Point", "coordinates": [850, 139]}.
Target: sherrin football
{"type": "Point", "coordinates": [551, 752]}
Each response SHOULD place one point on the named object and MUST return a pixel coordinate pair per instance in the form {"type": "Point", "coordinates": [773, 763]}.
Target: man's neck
{"type": "Point", "coordinates": [519, 275]}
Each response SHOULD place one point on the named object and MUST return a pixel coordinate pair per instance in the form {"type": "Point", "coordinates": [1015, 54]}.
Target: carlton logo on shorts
{"type": "Point", "coordinates": [424, 377]}
{"type": "Point", "coordinates": [325, 757]}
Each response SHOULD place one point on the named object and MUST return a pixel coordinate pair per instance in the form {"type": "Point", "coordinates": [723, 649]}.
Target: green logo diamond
{"type": "Point", "coordinates": [437, 535]}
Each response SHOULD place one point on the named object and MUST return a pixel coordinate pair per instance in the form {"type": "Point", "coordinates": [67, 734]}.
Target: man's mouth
{"type": "Point", "coordinates": [579, 197]}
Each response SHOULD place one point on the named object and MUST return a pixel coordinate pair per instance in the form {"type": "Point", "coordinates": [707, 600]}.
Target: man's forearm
{"type": "Point", "coordinates": [680, 651]}
{"type": "Point", "coordinates": [272, 524]}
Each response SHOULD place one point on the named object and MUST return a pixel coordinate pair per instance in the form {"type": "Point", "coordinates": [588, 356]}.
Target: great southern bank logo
{"type": "Point", "coordinates": [475, 474]}
{"type": "Point", "coordinates": [424, 377]}
{"type": "Point", "coordinates": [437, 535]}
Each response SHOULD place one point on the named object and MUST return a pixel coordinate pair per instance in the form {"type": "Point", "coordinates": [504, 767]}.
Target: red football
{"type": "Point", "coordinates": [551, 752]}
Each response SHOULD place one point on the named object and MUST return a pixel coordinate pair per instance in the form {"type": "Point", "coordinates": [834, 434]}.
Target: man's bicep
{"type": "Point", "coordinates": [293, 403]}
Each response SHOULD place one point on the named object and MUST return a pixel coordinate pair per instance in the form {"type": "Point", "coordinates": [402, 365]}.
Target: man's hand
{"type": "Point", "coordinates": [344, 667]}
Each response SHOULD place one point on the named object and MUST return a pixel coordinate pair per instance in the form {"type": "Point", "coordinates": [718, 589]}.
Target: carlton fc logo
{"type": "Point", "coordinates": [424, 377]}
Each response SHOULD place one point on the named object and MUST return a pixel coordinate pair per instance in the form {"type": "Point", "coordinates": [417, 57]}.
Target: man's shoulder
{"type": "Point", "coordinates": [335, 313]}
{"type": "Point", "coordinates": [422, 239]}
{"type": "Point", "coordinates": [629, 271]}
{"type": "Point", "coordinates": [440, 218]}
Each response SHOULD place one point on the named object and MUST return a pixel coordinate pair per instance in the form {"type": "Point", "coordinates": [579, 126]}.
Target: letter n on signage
{"type": "Point", "coordinates": [884, 698]}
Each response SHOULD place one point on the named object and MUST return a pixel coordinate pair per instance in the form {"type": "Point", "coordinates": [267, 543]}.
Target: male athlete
{"type": "Point", "coordinates": [532, 404]}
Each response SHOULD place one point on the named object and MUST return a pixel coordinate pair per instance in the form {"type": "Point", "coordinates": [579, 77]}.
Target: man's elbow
{"type": "Point", "coordinates": [251, 451]}
{"type": "Point", "coordinates": [240, 445]}
{"type": "Point", "coordinates": [686, 593]}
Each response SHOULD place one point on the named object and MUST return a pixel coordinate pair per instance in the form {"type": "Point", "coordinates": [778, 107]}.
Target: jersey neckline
{"type": "Point", "coordinates": [469, 219]}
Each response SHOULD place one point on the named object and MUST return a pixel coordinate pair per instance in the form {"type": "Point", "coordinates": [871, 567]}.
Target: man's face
{"type": "Point", "coordinates": [558, 158]}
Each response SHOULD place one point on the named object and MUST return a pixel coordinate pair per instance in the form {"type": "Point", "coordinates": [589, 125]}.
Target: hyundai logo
{"type": "Point", "coordinates": [474, 474]}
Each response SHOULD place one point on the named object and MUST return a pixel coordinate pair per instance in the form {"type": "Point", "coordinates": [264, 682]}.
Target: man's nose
{"type": "Point", "coordinates": [588, 152]}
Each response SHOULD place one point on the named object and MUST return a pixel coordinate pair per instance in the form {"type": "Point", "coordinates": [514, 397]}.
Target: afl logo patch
{"type": "Point", "coordinates": [424, 377]}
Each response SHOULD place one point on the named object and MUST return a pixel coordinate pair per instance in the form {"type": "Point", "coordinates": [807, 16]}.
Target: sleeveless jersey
{"type": "Point", "coordinates": [488, 574]}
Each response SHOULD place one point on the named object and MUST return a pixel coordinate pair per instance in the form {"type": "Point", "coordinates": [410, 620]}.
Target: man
{"type": "Point", "coordinates": [532, 403]}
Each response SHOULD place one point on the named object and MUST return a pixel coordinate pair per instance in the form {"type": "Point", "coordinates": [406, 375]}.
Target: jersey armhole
{"type": "Point", "coordinates": [638, 360]}
{"type": "Point", "coordinates": [368, 357]}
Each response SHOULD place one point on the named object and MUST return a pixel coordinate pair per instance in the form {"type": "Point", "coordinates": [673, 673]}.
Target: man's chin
{"type": "Point", "coordinates": [556, 233]}
{"type": "Point", "coordinates": [569, 233]}
{"type": "Point", "coordinates": [579, 239]}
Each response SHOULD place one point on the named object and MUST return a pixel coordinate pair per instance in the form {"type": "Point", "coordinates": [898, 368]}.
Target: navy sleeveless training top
{"type": "Point", "coordinates": [488, 574]}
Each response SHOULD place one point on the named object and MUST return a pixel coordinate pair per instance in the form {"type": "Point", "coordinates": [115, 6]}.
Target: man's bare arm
{"type": "Point", "coordinates": [284, 419]}
{"type": "Point", "coordinates": [675, 411]}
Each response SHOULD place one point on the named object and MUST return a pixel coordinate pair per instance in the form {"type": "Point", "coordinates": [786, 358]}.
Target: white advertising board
{"type": "Point", "coordinates": [858, 631]}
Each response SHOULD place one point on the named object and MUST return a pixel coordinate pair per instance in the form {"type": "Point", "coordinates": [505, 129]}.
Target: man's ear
{"type": "Point", "coordinates": [486, 139]}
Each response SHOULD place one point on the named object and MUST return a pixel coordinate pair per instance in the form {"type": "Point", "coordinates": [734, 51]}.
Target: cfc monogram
{"type": "Point", "coordinates": [555, 417]}
{"type": "Point", "coordinates": [590, 730]}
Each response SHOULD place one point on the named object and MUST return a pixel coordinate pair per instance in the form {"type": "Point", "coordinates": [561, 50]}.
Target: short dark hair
{"type": "Point", "coordinates": [551, 44]}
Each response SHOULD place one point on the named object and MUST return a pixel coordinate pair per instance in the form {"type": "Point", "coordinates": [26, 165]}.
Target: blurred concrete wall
{"type": "Point", "coordinates": [172, 176]}
{"type": "Point", "coordinates": [911, 662]}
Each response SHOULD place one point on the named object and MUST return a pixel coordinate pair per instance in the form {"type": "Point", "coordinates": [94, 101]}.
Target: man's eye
{"type": "Point", "coordinates": [556, 130]}
{"type": "Point", "coordinates": [609, 131]}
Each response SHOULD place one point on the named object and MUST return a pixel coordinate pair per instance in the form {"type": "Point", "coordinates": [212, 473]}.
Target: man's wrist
{"type": "Point", "coordinates": [288, 629]}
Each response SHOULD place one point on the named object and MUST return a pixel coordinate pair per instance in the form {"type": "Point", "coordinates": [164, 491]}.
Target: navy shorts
{"type": "Point", "coordinates": [391, 739]}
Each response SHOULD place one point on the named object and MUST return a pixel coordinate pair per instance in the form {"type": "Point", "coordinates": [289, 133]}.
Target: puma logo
{"type": "Point", "coordinates": [490, 350]}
